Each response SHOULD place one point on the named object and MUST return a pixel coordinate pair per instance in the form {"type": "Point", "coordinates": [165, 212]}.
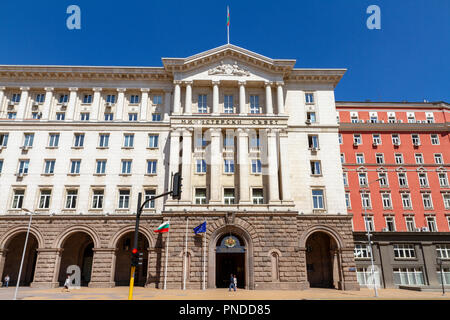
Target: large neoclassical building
{"type": "Point", "coordinates": [256, 141]}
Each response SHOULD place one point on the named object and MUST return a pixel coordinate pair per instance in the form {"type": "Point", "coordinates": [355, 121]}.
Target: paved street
{"type": "Point", "coordinates": [121, 293]}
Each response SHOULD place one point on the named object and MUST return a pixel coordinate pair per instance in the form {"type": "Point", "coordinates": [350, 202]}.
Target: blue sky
{"type": "Point", "coordinates": [408, 59]}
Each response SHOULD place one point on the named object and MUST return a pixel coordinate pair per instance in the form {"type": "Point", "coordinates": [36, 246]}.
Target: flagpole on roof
{"type": "Point", "coordinates": [228, 24]}
{"type": "Point", "coordinates": [185, 255]}
{"type": "Point", "coordinates": [167, 256]}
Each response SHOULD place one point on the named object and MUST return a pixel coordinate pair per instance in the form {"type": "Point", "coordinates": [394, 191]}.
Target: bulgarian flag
{"type": "Point", "coordinates": [228, 16]}
{"type": "Point", "coordinates": [164, 227]}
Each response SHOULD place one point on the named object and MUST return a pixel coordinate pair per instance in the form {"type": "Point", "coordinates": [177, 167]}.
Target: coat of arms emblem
{"type": "Point", "coordinates": [230, 242]}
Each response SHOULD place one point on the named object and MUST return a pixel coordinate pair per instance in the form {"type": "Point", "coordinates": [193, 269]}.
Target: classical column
{"type": "Point", "coordinates": [174, 159]}
{"type": "Point", "coordinates": [186, 163]}
{"type": "Point", "coordinates": [242, 106]}
{"type": "Point", "coordinates": [167, 95]}
{"type": "Point", "coordinates": [284, 167]}
{"type": "Point", "coordinates": [188, 100]}
{"type": "Point", "coordinates": [215, 164]}
{"type": "Point", "coordinates": [2, 113]}
{"type": "Point", "coordinates": [272, 158]}
{"type": "Point", "coordinates": [47, 103]}
{"type": "Point", "coordinates": [280, 98]}
{"type": "Point", "coordinates": [244, 191]}
{"type": "Point", "coordinates": [47, 268]}
{"type": "Point", "coordinates": [23, 103]}
{"type": "Point", "coordinates": [120, 104]}
{"type": "Point", "coordinates": [96, 103]}
{"type": "Point", "coordinates": [144, 103]}
{"type": "Point", "coordinates": [269, 105]}
{"type": "Point", "coordinates": [176, 98]}
{"type": "Point", "coordinates": [215, 109]}
{"type": "Point", "coordinates": [72, 103]}
{"type": "Point", "coordinates": [102, 266]}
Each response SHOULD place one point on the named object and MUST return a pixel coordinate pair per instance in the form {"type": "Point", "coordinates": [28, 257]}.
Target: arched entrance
{"type": "Point", "coordinates": [14, 251]}
{"type": "Point", "coordinates": [77, 250]}
{"type": "Point", "coordinates": [123, 260]}
{"type": "Point", "coordinates": [230, 259]}
{"type": "Point", "coordinates": [320, 260]}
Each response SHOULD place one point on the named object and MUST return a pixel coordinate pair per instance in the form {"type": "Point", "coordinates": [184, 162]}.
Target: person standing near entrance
{"type": "Point", "coordinates": [67, 284]}
{"type": "Point", "coordinates": [6, 284]}
{"type": "Point", "coordinates": [232, 283]}
{"type": "Point", "coordinates": [235, 282]}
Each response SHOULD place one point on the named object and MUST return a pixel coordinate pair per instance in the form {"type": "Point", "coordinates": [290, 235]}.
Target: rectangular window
{"type": "Point", "coordinates": [387, 203]}
{"type": "Point", "coordinates": [362, 179]}
{"type": "Point", "coordinates": [15, 97]}
{"type": "Point", "coordinates": [434, 139]}
{"type": "Point", "coordinates": [156, 117]}
{"type": "Point", "coordinates": [228, 142]}
{"type": "Point", "coordinates": [148, 194]}
{"type": "Point", "coordinates": [443, 181]}
{"type": "Point", "coordinates": [100, 167]}
{"type": "Point", "coordinates": [79, 140]}
{"type": "Point", "coordinates": [84, 116]}
{"type": "Point", "coordinates": [410, 225]}
{"type": "Point", "coordinates": [431, 224]}
{"type": "Point", "coordinates": [345, 179]}
{"type": "Point", "coordinates": [257, 196]}
{"type": "Point", "coordinates": [423, 181]}
{"type": "Point", "coordinates": [340, 138]}
{"type": "Point", "coordinates": [318, 199]}
{"type": "Point", "coordinates": [53, 141]}
{"type": "Point", "coordinates": [446, 198]}
{"type": "Point", "coordinates": [360, 158]}
{"type": "Point", "coordinates": [4, 139]}
{"type": "Point", "coordinates": [311, 117]}
{"type": "Point", "coordinates": [415, 139]}
{"type": "Point", "coordinates": [49, 166]}
{"type": "Point", "coordinates": [254, 104]}
{"type": "Point", "coordinates": [357, 139]}
{"type": "Point", "coordinates": [376, 139]}
{"type": "Point", "coordinates": [132, 117]}
{"type": "Point", "coordinates": [426, 199]}
{"type": "Point", "coordinates": [200, 166]}
{"type": "Point", "coordinates": [419, 158]}
{"type": "Point", "coordinates": [365, 200]}
{"type": "Point", "coordinates": [60, 116]}
{"type": "Point", "coordinates": [200, 195]}
{"type": "Point", "coordinates": [255, 141]}
{"type": "Point", "coordinates": [399, 158]}
{"type": "Point", "coordinates": [1, 165]}
{"type": "Point", "coordinates": [63, 98]}
{"type": "Point", "coordinates": [383, 179]}
{"type": "Point", "coordinates": [75, 166]}
{"type": "Point", "coordinates": [12, 115]}
{"type": "Point", "coordinates": [151, 166]}
{"type": "Point", "coordinates": [128, 140]}
{"type": "Point", "coordinates": [109, 116]}
{"type": "Point", "coordinates": [315, 168]}
{"type": "Point", "coordinates": [438, 158]}
{"type": "Point", "coordinates": [153, 140]}
{"type": "Point", "coordinates": [395, 139]}
{"type": "Point", "coordinates": [111, 98]}
{"type": "Point", "coordinates": [71, 199]}
{"type": "Point", "coordinates": [411, 117]}
{"type": "Point", "coordinates": [402, 181]}
{"type": "Point", "coordinates": [202, 103]}
{"type": "Point", "coordinates": [229, 166]}
{"type": "Point", "coordinates": [228, 196]}
{"type": "Point", "coordinates": [157, 99]}
{"type": "Point", "coordinates": [362, 251]}
{"type": "Point", "coordinates": [430, 117]}
{"type": "Point", "coordinates": [97, 199]}
{"type": "Point", "coordinates": [40, 98]}
{"type": "Point", "coordinates": [446, 275]}
{"type": "Point", "coordinates": [28, 140]}
{"type": "Point", "coordinates": [366, 276]}
{"type": "Point", "coordinates": [134, 99]}
{"type": "Point", "coordinates": [379, 157]}
{"type": "Point", "coordinates": [369, 223]}
{"type": "Point", "coordinates": [104, 140]}
{"type": "Point", "coordinates": [404, 251]}
{"type": "Point", "coordinates": [36, 115]}
{"type": "Point", "coordinates": [228, 106]}
{"type": "Point", "coordinates": [256, 166]}
{"type": "Point", "coordinates": [44, 200]}
{"type": "Point", "coordinates": [87, 99]}
{"type": "Point", "coordinates": [342, 158]}
{"type": "Point", "coordinates": [309, 97]}
{"type": "Point", "coordinates": [443, 251]}
{"type": "Point", "coordinates": [18, 199]}
{"type": "Point", "coordinates": [313, 141]}
{"type": "Point", "coordinates": [406, 201]}
{"type": "Point", "coordinates": [408, 276]}
{"type": "Point", "coordinates": [347, 200]}
{"type": "Point", "coordinates": [124, 199]}
{"type": "Point", "coordinates": [23, 166]}
{"type": "Point", "coordinates": [390, 224]}
{"type": "Point", "coordinates": [126, 166]}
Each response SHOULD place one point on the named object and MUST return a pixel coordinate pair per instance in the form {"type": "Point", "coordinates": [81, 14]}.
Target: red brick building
{"type": "Point", "coordinates": [407, 147]}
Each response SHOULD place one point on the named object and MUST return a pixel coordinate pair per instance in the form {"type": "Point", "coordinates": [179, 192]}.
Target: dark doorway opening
{"type": "Point", "coordinates": [14, 257]}
{"type": "Point", "coordinates": [230, 259]}
{"type": "Point", "coordinates": [319, 263]}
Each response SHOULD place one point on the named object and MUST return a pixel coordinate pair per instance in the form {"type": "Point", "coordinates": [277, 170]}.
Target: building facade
{"type": "Point", "coordinates": [256, 141]}
{"type": "Point", "coordinates": [395, 159]}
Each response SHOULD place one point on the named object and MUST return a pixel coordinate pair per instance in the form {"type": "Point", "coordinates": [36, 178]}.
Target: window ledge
{"type": "Point", "coordinates": [152, 148]}
{"type": "Point", "coordinates": [99, 174]}
{"type": "Point", "coordinates": [51, 147]}
{"type": "Point", "coordinates": [125, 174]}
{"type": "Point", "coordinates": [151, 174]}
{"type": "Point", "coordinates": [77, 147]}
{"type": "Point", "coordinates": [47, 174]}
{"type": "Point", "coordinates": [102, 147]}
{"type": "Point", "coordinates": [73, 174]}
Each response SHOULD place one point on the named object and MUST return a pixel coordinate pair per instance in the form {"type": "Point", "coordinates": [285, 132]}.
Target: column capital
{"type": "Point", "coordinates": [49, 89]}
{"type": "Point", "coordinates": [215, 82]}
{"type": "Point", "coordinates": [25, 88]}
{"type": "Point", "coordinates": [188, 83]}
{"type": "Point", "coordinates": [242, 132]}
{"type": "Point", "coordinates": [96, 89]}
{"type": "Point", "coordinates": [272, 132]}
{"type": "Point", "coordinates": [283, 133]}
{"type": "Point", "coordinates": [215, 132]}
{"type": "Point", "coordinates": [187, 132]}
{"type": "Point", "coordinates": [2, 88]}
{"type": "Point", "coordinates": [121, 90]}
{"type": "Point", "coordinates": [177, 82]}
{"type": "Point", "coordinates": [145, 89]}
{"type": "Point", "coordinates": [242, 82]}
{"type": "Point", "coordinates": [268, 83]}
{"type": "Point", "coordinates": [175, 132]}
{"type": "Point", "coordinates": [279, 83]}
{"type": "Point", "coordinates": [73, 89]}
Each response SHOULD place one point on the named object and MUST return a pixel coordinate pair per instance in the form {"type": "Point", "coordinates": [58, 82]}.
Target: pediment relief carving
{"type": "Point", "coordinates": [229, 69]}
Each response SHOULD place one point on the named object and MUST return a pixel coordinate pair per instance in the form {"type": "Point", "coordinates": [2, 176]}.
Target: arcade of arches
{"type": "Point", "coordinates": [277, 252]}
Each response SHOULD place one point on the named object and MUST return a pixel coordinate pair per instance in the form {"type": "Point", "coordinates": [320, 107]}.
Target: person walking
{"type": "Point", "coordinates": [66, 284]}
{"type": "Point", "coordinates": [231, 283]}
{"type": "Point", "coordinates": [6, 284]}
{"type": "Point", "coordinates": [235, 282]}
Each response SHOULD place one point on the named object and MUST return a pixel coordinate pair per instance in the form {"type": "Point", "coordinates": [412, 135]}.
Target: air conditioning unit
{"type": "Point", "coordinates": [425, 229]}
{"type": "Point", "coordinates": [308, 121]}
{"type": "Point", "coordinates": [416, 229]}
{"type": "Point", "coordinates": [385, 229]}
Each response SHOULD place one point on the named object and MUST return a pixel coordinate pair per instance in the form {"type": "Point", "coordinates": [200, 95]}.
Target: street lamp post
{"type": "Point", "coordinates": [439, 262]}
{"type": "Point", "coordinates": [368, 238]}
{"type": "Point", "coordinates": [23, 254]}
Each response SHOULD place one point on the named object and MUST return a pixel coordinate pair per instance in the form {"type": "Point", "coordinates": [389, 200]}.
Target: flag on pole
{"type": "Point", "coordinates": [164, 227]}
{"type": "Point", "coordinates": [200, 228]}
{"type": "Point", "coordinates": [228, 16]}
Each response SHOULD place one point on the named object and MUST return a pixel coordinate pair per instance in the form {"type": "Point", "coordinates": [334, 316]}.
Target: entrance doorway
{"type": "Point", "coordinates": [14, 256]}
{"type": "Point", "coordinates": [319, 260]}
{"type": "Point", "coordinates": [230, 259]}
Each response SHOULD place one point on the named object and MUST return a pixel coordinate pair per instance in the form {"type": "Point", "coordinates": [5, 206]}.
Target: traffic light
{"type": "Point", "coordinates": [134, 257]}
{"type": "Point", "coordinates": [176, 187]}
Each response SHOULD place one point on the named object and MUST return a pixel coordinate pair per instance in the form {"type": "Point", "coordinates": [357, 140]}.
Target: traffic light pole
{"type": "Point", "coordinates": [135, 254]}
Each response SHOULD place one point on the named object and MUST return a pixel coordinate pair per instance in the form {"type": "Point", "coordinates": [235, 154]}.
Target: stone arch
{"type": "Point", "coordinates": [119, 234]}
{"type": "Point", "coordinates": [250, 238]}
{"type": "Point", "coordinates": [322, 228]}
{"type": "Point", "coordinates": [64, 235]}
{"type": "Point", "coordinates": [238, 222]}
{"type": "Point", "coordinates": [275, 255]}
{"type": "Point", "coordinates": [10, 234]}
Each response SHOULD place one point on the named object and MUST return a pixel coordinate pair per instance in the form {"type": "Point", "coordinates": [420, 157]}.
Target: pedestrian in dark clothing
{"type": "Point", "coordinates": [232, 283]}
{"type": "Point", "coordinates": [6, 284]}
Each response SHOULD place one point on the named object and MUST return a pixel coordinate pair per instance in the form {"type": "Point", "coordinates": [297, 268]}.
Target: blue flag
{"type": "Point", "coordinates": [200, 228]}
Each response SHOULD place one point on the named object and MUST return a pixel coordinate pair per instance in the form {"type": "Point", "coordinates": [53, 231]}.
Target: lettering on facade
{"type": "Point", "coordinates": [229, 122]}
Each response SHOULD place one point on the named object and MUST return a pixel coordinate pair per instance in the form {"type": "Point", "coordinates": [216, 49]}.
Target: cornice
{"type": "Point", "coordinates": [394, 127]}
